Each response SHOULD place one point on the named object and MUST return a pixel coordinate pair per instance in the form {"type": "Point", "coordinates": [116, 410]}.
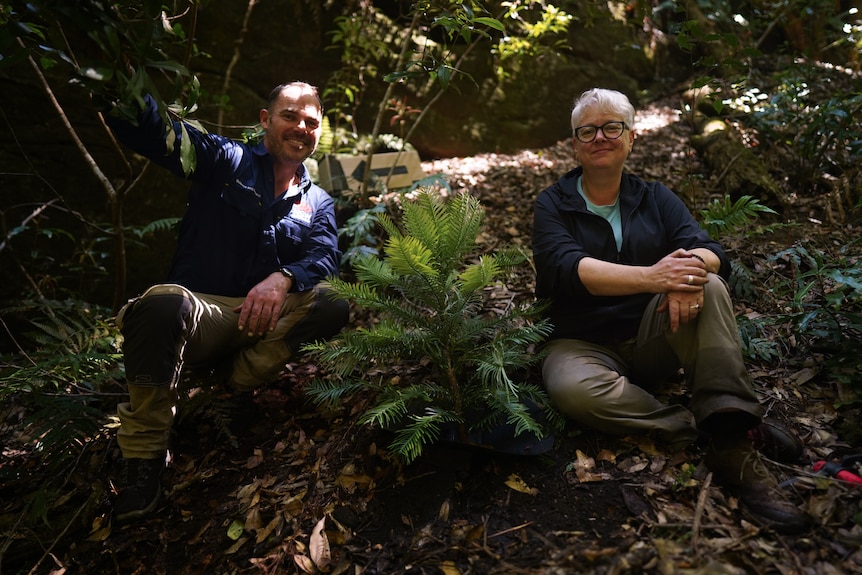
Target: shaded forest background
{"type": "Point", "coordinates": [743, 100]}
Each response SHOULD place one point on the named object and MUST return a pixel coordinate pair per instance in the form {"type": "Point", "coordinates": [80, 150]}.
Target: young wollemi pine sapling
{"type": "Point", "coordinates": [429, 294]}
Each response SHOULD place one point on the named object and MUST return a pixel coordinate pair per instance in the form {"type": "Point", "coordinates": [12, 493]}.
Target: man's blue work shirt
{"type": "Point", "coordinates": [236, 231]}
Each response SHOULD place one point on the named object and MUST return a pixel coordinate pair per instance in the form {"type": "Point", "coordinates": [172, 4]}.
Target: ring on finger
{"type": "Point", "coordinates": [690, 279]}
{"type": "Point", "coordinates": [695, 306]}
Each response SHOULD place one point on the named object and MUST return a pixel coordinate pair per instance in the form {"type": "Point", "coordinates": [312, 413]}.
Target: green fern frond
{"type": "Point", "coordinates": [161, 225]}
{"type": "Point", "coordinates": [62, 425]}
{"type": "Point", "coordinates": [725, 217]}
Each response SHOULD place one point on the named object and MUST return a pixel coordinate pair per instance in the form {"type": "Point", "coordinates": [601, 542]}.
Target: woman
{"type": "Point", "coordinates": [637, 291]}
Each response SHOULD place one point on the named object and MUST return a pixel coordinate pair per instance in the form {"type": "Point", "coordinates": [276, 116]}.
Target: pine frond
{"type": "Point", "coordinates": [423, 218]}
{"type": "Point", "coordinates": [408, 255]}
{"type": "Point", "coordinates": [510, 258]}
{"type": "Point", "coordinates": [396, 403]}
{"type": "Point", "coordinates": [460, 230]}
{"type": "Point", "coordinates": [364, 294]}
{"type": "Point", "coordinates": [388, 224]}
{"type": "Point", "coordinates": [523, 421]}
{"type": "Point", "coordinates": [374, 272]}
{"type": "Point", "coordinates": [479, 275]}
{"type": "Point", "coordinates": [421, 431]}
{"type": "Point", "coordinates": [329, 392]}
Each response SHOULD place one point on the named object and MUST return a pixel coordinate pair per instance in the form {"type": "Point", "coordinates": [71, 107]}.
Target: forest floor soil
{"type": "Point", "coordinates": [308, 490]}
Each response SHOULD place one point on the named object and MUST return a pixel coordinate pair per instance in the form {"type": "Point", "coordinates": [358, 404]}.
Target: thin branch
{"type": "Point", "coordinates": [510, 529]}
{"type": "Point", "coordinates": [698, 512]}
{"type": "Point", "coordinates": [428, 106]}
{"type": "Point", "coordinates": [193, 30]}
{"type": "Point", "coordinates": [72, 521]}
{"type": "Point", "coordinates": [88, 159]}
{"type": "Point", "coordinates": [402, 57]}
{"type": "Point", "coordinates": [36, 213]}
{"type": "Point", "coordinates": [18, 345]}
{"type": "Point", "coordinates": [235, 58]}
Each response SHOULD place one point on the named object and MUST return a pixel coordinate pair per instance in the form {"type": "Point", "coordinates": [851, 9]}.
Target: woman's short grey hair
{"type": "Point", "coordinates": [607, 102]}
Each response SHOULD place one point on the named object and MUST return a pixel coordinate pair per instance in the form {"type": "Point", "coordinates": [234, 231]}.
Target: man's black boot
{"type": "Point", "coordinates": [141, 489]}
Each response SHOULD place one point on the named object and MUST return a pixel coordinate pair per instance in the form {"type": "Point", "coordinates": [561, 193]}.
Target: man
{"type": "Point", "coordinates": [637, 291]}
{"type": "Point", "coordinates": [256, 242]}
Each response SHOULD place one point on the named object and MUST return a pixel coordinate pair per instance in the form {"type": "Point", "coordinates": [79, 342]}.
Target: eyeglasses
{"type": "Point", "coordinates": [611, 130]}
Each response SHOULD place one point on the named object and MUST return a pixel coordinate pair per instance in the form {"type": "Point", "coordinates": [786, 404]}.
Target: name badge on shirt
{"type": "Point", "coordinates": [301, 212]}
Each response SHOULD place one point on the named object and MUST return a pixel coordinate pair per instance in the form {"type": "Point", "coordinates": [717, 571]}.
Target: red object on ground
{"type": "Point", "coordinates": [838, 471]}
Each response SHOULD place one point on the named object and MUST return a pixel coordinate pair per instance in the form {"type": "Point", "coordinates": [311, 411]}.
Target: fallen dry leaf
{"type": "Point", "coordinates": [305, 564]}
{"type": "Point", "coordinates": [515, 482]}
{"type": "Point", "coordinates": [318, 546]}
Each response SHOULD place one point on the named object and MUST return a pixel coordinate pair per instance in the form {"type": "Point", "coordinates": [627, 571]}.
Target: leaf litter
{"type": "Point", "coordinates": [310, 491]}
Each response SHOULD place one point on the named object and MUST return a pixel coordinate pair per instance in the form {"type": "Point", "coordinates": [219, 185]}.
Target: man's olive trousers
{"type": "Point", "coordinates": [169, 327]}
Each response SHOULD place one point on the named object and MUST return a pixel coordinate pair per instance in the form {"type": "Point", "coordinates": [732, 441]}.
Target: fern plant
{"type": "Point", "coordinates": [429, 293]}
{"type": "Point", "coordinates": [723, 216]}
{"type": "Point", "coordinates": [64, 379]}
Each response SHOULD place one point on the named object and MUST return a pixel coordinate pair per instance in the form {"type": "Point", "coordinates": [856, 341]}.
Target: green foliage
{"type": "Point", "coordinates": [429, 292]}
{"type": "Point", "coordinates": [122, 54]}
{"type": "Point", "coordinates": [757, 344]}
{"type": "Point", "coordinates": [160, 225]}
{"type": "Point", "coordinates": [725, 216]}
{"type": "Point", "coordinates": [361, 231]}
{"type": "Point", "coordinates": [537, 23]}
{"type": "Point", "coordinates": [423, 52]}
{"type": "Point", "coordinates": [360, 38]}
{"type": "Point", "coordinates": [823, 131]}
{"type": "Point", "coordinates": [826, 293]}
{"type": "Point", "coordinates": [722, 218]}
{"type": "Point", "coordinates": [67, 363]}
{"type": "Point", "coordinates": [821, 304]}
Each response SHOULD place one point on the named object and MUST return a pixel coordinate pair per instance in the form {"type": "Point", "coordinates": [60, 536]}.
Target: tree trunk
{"type": "Point", "coordinates": [740, 172]}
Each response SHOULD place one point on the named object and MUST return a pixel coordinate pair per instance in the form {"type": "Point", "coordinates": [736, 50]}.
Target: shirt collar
{"type": "Point", "coordinates": [305, 182]}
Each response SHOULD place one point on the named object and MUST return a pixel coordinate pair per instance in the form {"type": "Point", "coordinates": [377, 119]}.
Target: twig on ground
{"type": "Point", "coordinates": [698, 512]}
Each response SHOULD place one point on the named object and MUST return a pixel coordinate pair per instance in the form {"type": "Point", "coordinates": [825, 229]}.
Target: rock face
{"type": "Point", "coordinates": [243, 58]}
{"type": "Point", "coordinates": [477, 114]}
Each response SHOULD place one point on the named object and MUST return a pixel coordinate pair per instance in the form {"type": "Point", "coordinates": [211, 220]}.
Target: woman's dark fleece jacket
{"type": "Point", "coordinates": [655, 222]}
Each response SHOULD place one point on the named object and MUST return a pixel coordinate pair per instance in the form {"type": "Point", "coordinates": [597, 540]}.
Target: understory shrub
{"type": "Point", "coordinates": [823, 292]}
{"type": "Point", "coordinates": [814, 297]}
{"type": "Point", "coordinates": [56, 389]}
